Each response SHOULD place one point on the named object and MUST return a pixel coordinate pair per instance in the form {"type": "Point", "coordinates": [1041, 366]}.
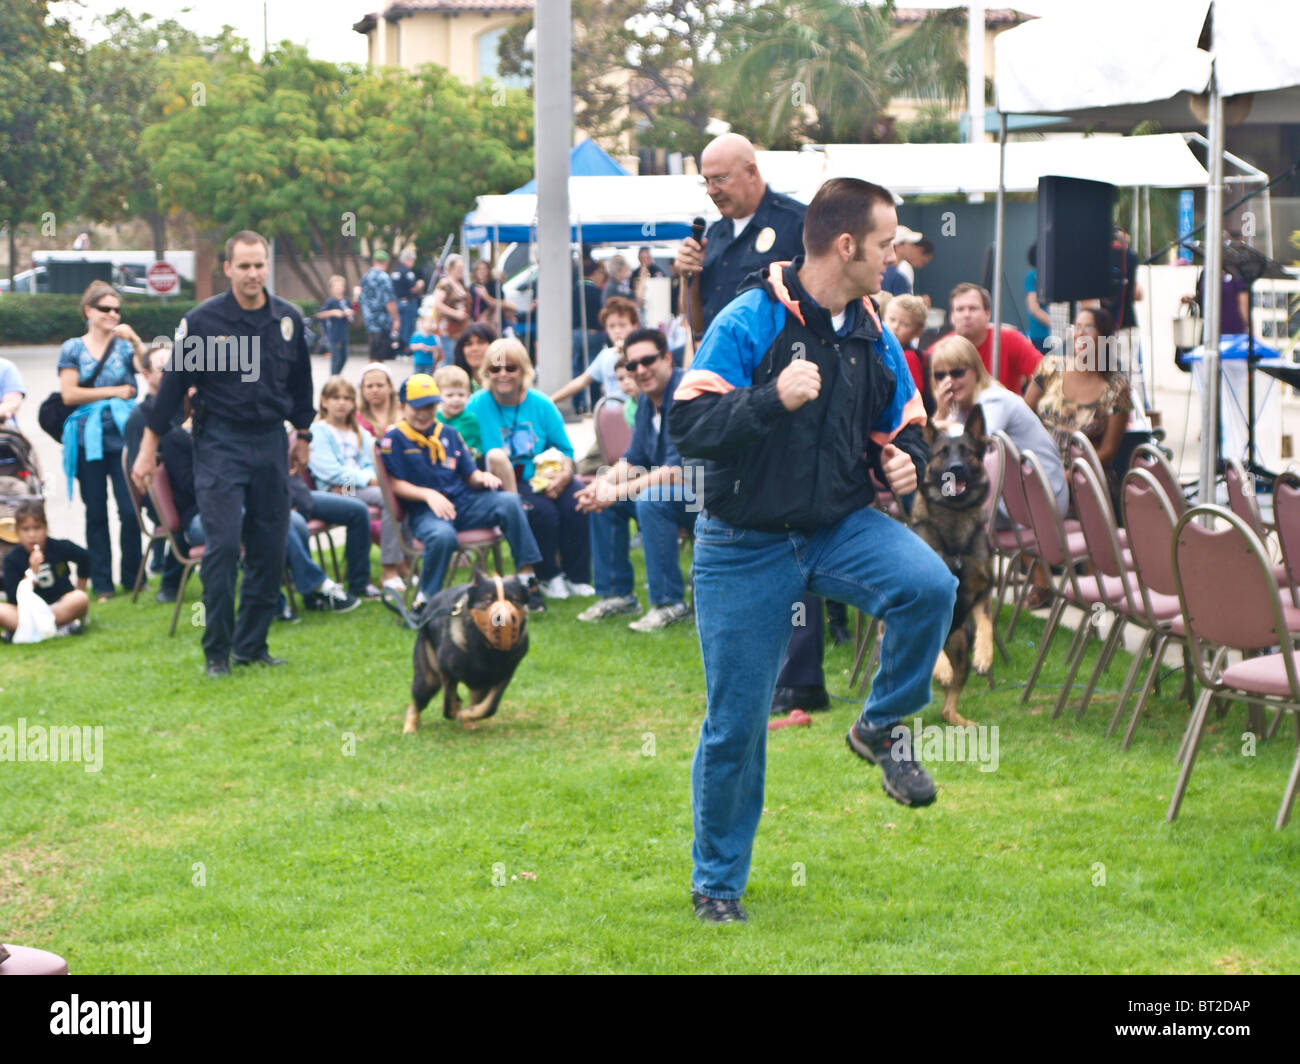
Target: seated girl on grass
{"type": "Point", "coordinates": [48, 560]}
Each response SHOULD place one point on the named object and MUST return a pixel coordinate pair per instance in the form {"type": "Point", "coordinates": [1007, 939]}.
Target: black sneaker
{"type": "Point", "coordinates": [536, 604]}
{"type": "Point", "coordinates": [330, 598]}
{"type": "Point", "coordinates": [217, 667]}
{"type": "Point", "coordinates": [718, 910]}
{"type": "Point", "coordinates": [808, 699]}
{"type": "Point", "coordinates": [901, 774]}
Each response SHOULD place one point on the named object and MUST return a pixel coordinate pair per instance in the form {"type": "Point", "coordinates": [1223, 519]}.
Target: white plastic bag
{"type": "Point", "coordinates": [35, 616]}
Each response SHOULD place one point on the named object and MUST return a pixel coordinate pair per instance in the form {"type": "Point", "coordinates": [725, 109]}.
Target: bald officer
{"type": "Point", "coordinates": [758, 226]}
{"type": "Point", "coordinates": [245, 354]}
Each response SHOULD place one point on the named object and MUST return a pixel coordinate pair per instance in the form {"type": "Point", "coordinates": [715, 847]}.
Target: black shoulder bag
{"type": "Point", "coordinates": [54, 411]}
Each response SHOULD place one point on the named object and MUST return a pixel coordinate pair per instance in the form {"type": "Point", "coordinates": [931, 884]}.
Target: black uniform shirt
{"type": "Point", "coordinates": [403, 281]}
{"type": "Point", "coordinates": [249, 366]}
{"type": "Point", "coordinates": [774, 234]}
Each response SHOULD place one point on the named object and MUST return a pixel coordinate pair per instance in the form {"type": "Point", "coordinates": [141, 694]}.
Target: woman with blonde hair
{"type": "Point", "coordinates": [451, 302]}
{"type": "Point", "coordinates": [959, 381]}
{"type": "Point", "coordinates": [523, 422]}
{"type": "Point", "coordinates": [378, 408]}
{"type": "Point", "coordinates": [97, 378]}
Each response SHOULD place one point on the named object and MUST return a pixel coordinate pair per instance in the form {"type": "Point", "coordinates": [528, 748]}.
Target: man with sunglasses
{"type": "Point", "coordinates": [646, 483]}
{"type": "Point", "coordinates": [796, 395]}
{"type": "Point", "coordinates": [241, 457]}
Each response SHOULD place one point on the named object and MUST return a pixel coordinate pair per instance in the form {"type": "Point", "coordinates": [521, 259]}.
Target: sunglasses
{"type": "Point", "coordinates": [106, 310]}
{"type": "Point", "coordinates": [955, 374]}
{"type": "Point", "coordinates": [643, 363]}
{"type": "Point", "coordinates": [494, 370]}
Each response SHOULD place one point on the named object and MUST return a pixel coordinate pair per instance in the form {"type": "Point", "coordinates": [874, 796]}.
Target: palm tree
{"type": "Point", "coordinates": [826, 70]}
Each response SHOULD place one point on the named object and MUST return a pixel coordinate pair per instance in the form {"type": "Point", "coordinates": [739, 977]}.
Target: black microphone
{"type": "Point", "coordinates": [697, 229]}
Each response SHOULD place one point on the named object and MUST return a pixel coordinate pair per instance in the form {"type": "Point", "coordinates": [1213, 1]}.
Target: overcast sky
{"type": "Point", "coordinates": [324, 26]}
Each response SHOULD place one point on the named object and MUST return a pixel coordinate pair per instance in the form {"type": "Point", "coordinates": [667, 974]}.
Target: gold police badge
{"type": "Point", "coordinates": [765, 239]}
{"type": "Point", "coordinates": [286, 328]}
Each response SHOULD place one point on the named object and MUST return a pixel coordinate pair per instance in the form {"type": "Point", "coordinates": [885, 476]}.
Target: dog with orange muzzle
{"type": "Point", "coordinates": [475, 634]}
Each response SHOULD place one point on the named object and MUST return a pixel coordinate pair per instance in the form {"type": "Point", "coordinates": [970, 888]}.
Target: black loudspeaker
{"type": "Point", "coordinates": [1074, 238]}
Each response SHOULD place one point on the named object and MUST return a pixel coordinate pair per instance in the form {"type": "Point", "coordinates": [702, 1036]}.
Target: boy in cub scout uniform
{"type": "Point", "coordinates": [434, 474]}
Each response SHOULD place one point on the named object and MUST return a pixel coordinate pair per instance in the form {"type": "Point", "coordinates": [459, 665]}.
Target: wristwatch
{"type": "Point", "coordinates": [303, 434]}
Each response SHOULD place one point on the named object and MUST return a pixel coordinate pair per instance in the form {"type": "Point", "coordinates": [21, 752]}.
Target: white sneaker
{"type": "Point", "coordinates": [579, 590]}
{"type": "Point", "coordinates": [420, 600]}
{"type": "Point", "coordinates": [662, 617]}
{"type": "Point", "coordinates": [557, 588]}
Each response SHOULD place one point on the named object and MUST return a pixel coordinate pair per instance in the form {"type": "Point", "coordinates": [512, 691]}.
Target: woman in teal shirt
{"type": "Point", "coordinates": [524, 423]}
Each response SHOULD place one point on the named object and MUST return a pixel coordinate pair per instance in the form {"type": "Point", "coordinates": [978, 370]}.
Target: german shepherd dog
{"type": "Point", "coordinates": [475, 634]}
{"type": "Point", "coordinates": [949, 515]}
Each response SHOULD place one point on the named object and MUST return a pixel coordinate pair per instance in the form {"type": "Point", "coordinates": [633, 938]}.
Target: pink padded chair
{"type": "Point", "coordinates": [1208, 558]}
{"type": "Point", "coordinates": [153, 529]}
{"type": "Point", "coordinates": [1149, 457]}
{"type": "Point", "coordinates": [613, 433]}
{"type": "Point", "coordinates": [164, 505]}
{"type": "Point", "coordinates": [1286, 518]}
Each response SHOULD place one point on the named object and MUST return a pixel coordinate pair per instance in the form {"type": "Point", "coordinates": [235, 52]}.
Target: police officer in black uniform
{"type": "Point", "coordinates": [246, 354]}
{"type": "Point", "coordinates": [408, 286]}
{"type": "Point", "coordinates": [772, 232]}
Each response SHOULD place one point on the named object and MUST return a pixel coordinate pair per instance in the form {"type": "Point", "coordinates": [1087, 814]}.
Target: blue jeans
{"type": "Point", "coordinates": [94, 478]}
{"type": "Point", "coordinates": [478, 509]}
{"type": "Point", "coordinates": [747, 587]}
{"type": "Point", "coordinates": [659, 522]}
{"type": "Point", "coordinates": [448, 345]}
{"type": "Point", "coordinates": [338, 354]}
{"type": "Point", "coordinates": [354, 515]}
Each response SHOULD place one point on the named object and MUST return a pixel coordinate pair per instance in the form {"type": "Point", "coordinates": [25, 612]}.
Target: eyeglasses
{"type": "Point", "coordinates": [494, 370]}
{"type": "Point", "coordinates": [106, 310]}
{"type": "Point", "coordinates": [643, 363]}
{"type": "Point", "coordinates": [717, 181]}
{"type": "Point", "coordinates": [955, 374]}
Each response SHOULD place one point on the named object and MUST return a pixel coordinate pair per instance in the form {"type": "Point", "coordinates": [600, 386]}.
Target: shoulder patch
{"type": "Point", "coordinates": [286, 328]}
{"type": "Point", "coordinates": [182, 330]}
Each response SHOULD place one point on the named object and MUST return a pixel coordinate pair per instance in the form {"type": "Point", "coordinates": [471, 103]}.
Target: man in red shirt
{"type": "Point", "coordinates": [969, 309]}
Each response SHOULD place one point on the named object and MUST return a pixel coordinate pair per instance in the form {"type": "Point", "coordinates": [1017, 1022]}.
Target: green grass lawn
{"type": "Point", "coordinates": [278, 821]}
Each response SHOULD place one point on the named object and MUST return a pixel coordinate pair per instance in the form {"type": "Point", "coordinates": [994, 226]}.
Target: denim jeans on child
{"type": "Point", "coordinates": [748, 587]}
{"type": "Point", "coordinates": [478, 509]}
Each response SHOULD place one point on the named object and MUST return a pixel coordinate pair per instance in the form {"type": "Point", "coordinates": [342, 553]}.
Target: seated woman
{"type": "Point", "coordinates": [470, 349]}
{"type": "Point", "coordinates": [1086, 391]}
{"type": "Point", "coordinates": [959, 380]}
{"type": "Point", "coordinates": [524, 423]}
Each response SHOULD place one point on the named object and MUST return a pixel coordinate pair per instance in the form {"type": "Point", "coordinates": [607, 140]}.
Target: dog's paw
{"type": "Point", "coordinates": [982, 658]}
{"type": "Point", "coordinates": [412, 724]}
{"type": "Point", "coordinates": [943, 670]}
{"type": "Point", "coordinates": [951, 716]}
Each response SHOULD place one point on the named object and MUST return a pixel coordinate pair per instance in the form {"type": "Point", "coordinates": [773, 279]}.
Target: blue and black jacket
{"type": "Point", "coordinates": [770, 469]}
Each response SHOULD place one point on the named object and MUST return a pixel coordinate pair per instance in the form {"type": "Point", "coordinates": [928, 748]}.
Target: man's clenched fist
{"type": "Point", "coordinates": [899, 469]}
{"type": "Point", "coordinates": [800, 382]}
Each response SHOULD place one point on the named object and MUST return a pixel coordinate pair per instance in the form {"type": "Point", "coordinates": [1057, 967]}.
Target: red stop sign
{"type": "Point", "coordinates": [162, 278]}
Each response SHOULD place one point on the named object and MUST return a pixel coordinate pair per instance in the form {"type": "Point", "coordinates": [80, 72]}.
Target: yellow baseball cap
{"type": "Point", "coordinates": [420, 390]}
{"type": "Point", "coordinates": [8, 530]}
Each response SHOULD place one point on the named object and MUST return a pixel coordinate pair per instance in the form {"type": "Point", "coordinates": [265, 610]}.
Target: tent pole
{"type": "Point", "coordinates": [1213, 294]}
{"type": "Point", "coordinates": [553, 140]}
{"type": "Point", "coordinates": [999, 224]}
{"type": "Point", "coordinates": [1146, 249]}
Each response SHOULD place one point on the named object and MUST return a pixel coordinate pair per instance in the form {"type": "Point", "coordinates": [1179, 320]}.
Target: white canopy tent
{"type": "Point", "coordinates": [653, 206]}
{"type": "Point", "coordinates": [1160, 161]}
{"type": "Point", "coordinates": [1117, 63]}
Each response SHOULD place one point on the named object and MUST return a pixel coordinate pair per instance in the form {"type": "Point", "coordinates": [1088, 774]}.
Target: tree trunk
{"type": "Point", "coordinates": [158, 227]}
{"type": "Point", "coordinates": [13, 255]}
{"type": "Point", "coordinates": [310, 281]}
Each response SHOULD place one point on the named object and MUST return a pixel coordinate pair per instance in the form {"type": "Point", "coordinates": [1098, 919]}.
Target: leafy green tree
{"type": "Point", "coordinates": [126, 92]}
{"type": "Point", "coordinates": [43, 134]}
{"type": "Point", "coordinates": [826, 70]}
{"type": "Point", "coordinates": [317, 155]}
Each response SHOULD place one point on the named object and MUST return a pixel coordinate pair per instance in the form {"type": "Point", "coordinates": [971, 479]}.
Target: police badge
{"type": "Point", "coordinates": [286, 328]}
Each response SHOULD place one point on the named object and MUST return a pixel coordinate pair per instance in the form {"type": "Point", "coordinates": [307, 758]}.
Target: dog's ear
{"type": "Point", "coordinates": [975, 428]}
{"type": "Point", "coordinates": [928, 432]}
{"type": "Point", "coordinates": [479, 577]}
